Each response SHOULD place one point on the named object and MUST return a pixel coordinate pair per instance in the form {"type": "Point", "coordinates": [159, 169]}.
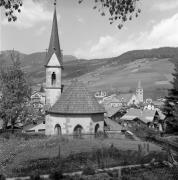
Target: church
{"type": "Point", "coordinates": [72, 109]}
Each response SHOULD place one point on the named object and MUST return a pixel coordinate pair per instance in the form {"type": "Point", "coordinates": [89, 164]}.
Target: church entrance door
{"type": "Point", "coordinates": [78, 131]}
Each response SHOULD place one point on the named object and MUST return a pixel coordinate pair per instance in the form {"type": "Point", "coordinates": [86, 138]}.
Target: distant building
{"type": "Point", "coordinates": [100, 94]}
{"type": "Point", "coordinates": [149, 107]}
{"type": "Point", "coordinates": [112, 101]}
{"type": "Point", "coordinates": [35, 127]}
{"type": "Point", "coordinates": [134, 100]}
{"type": "Point", "coordinates": [111, 125]}
{"type": "Point", "coordinates": [131, 99]}
{"type": "Point", "coordinates": [151, 118]}
{"type": "Point", "coordinates": [38, 99]}
{"type": "Point", "coordinates": [139, 92]}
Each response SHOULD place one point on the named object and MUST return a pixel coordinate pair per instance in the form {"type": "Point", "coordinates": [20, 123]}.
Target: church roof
{"type": "Point", "coordinates": [54, 45]}
{"type": "Point", "coordinates": [76, 99]}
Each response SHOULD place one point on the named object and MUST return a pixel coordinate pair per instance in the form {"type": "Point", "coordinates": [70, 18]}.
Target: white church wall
{"type": "Point", "coordinates": [69, 122]}
{"type": "Point", "coordinates": [52, 95]}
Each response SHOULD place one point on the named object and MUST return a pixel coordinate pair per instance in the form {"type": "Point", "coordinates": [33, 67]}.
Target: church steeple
{"type": "Point", "coordinates": [53, 65]}
{"type": "Point", "coordinates": [139, 92]}
{"type": "Point", "coordinates": [54, 45]}
{"type": "Point", "coordinates": [139, 85]}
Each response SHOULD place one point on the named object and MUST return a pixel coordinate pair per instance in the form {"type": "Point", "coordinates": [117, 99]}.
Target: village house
{"type": "Point", "coordinates": [112, 101]}
{"type": "Point", "coordinates": [112, 126]}
{"type": "Point", "coordinates": [151, 118]}
{"type": "Point", "coordinates": [38, 99]}
{"type": "Point", "coordinates": [35, 127]}
{"type": "Point", "coordinates": [100, 94]}
{"type": "Point", "coordinates": [127, 99]}
{"type": "Point", "coordinates": [113, 113]}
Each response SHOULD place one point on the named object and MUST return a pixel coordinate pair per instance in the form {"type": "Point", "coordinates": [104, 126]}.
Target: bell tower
{"type": "Point", "coordinates": [54, 65]}
{"type": "Point", "coordinates": [139, 92]}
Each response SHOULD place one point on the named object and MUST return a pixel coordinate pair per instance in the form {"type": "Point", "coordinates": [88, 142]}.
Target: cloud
{"type": "Point", "coordinates": [31, 14]}
{"type": "Point", "coordinates": [166, 5]}
{"type": "Point", "coordinates": [80, 19]}
{"type": "Point", "coordinates": [40, 31]}
{"type": "Point", "coordinates": [164, 33]}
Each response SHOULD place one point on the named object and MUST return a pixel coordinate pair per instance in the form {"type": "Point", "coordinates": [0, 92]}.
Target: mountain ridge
{"type": "Point", "coordinates": [152, 64]}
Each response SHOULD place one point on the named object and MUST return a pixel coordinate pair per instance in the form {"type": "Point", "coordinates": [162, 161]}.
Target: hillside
{"type": "Point", "coordinates": [153, 67]}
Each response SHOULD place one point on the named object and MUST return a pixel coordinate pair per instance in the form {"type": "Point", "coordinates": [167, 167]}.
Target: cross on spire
{"type": "Point", "coordinates": [54, 2]}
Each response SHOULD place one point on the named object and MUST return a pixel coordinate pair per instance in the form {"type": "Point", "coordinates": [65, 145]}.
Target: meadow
{"type": "Point", "coordinates": [16, 152]}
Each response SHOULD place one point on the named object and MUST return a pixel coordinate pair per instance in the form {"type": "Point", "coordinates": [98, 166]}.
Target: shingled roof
{"type": "Point", "coordinates": [54, 45]}
{"type": "Point", "coordinates": [76, 99]}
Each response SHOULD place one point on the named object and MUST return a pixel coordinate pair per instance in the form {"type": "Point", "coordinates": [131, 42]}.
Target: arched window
{"type": "Point", "coordinates": [53, 78]}
{"type": "Point", "coordinates": [78, 131]}
{"type": "Point", "coordinates": [57, 130]}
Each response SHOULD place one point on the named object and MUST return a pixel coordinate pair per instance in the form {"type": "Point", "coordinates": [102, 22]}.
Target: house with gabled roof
{"type": "Point", "coordinates": [35, 127]}
{"type": "Point", "coordinates": [151, 118]}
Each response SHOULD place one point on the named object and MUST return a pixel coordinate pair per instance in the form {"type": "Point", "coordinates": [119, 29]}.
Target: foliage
{"type": "Point", "coordinates": [15, 93]}
{"type": "Point", "coordinates": [100, 158]}
{"type": "Point", "coordinates": [35, 176]}
{"type": "Point", "coordinates": [170, 108]}
{"type": "Point", "coordinates": [121, 10]}
{"type": "Point", "coordinates": [88, 170]}
{"type": "Point", "coordinates": [2, 177]}
{"type": "Point", "coordinates": [11, 6]}
{"type": "Point", "coordinates": [143, 132]}
{"type": "Point", "coordinates": [56, 175]}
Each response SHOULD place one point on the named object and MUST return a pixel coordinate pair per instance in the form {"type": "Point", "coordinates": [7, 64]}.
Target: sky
{"type": "Point", "coordinates": [84, 33]}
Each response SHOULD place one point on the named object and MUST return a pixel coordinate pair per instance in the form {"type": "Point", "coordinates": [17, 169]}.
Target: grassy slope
{"type": "Point", "coordinates": [16, 151]}
{"type": "Point", "coordinates": [152, 67]}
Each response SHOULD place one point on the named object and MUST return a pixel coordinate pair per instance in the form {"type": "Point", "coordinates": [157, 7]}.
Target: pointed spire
{"type": "Point", "coordinates": [54, 45]}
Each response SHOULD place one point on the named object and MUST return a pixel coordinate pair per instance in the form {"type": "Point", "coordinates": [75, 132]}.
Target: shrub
{"type": "Point", "coordinates": [35, 176]}
{"type": "Point", "coordinates": [56, 175]}
{"type": "Point", "coordinates": [2, 177]}
{"type": "Point", "coordinates": [5, 135]}
{"type": "Point", "coordinates": [88, 170]}
{"type": "Point", "coordinates": [144, 132]}
{"type": "Point", "coordinates": [100, 134]}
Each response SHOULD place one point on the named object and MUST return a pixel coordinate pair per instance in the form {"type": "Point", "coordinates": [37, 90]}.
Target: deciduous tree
{"type": "Point", "coordinates": [15, 92]}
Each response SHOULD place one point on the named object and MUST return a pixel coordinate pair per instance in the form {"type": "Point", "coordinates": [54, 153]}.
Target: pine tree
{"type": "Point", "coordinates": [15, 92]}
{"type": "Point", "coordinates": [171, 105]}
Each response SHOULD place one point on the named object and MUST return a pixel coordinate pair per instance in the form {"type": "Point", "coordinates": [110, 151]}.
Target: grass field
{"type": "Point", "coordinates": [16, 151]}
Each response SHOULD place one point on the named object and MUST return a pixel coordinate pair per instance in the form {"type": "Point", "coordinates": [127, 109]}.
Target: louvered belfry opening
{"type": "Point", "coordinates": [53, 79]}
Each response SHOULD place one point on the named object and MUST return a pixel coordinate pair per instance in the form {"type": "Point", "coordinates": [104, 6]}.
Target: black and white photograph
{"type": "Point", "coordinates": [88, 89]}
